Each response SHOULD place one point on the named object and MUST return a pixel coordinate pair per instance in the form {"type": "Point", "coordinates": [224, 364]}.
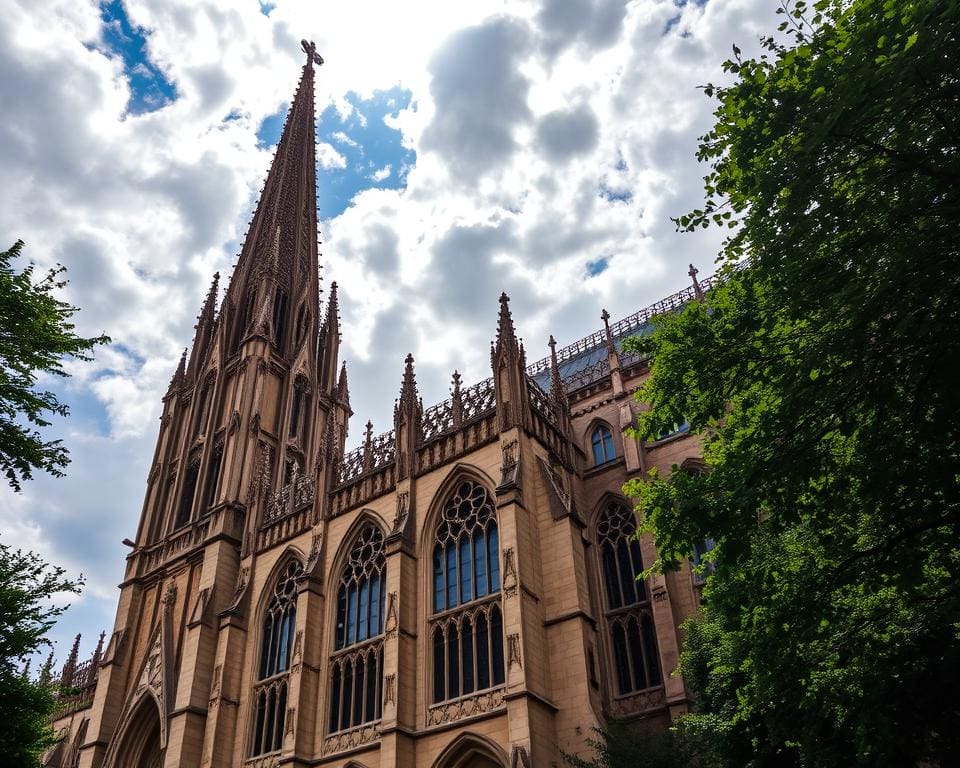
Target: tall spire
{"type": "Point", "coordinates": [330, 342]}
{"type": "Point", "coordinates": [281, 244]}
{"type": "Point", "coordinates": [204, 329]}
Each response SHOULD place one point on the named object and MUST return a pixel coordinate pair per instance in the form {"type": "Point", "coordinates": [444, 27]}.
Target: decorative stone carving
{"type": "Point", "coordinates": [357, 737]}
{"type": "Point", "coordinates": [465, 707]}
{"type": "Point", "coordinates": [509, 573]}
{"type": "Point", "coordinates": [403, 511]}
{"type": "Point", "coordinates": [509, 467]}
{"type": "Point", "coordinates": [643, 701]}
{"type": "Point", "coordinates": [513, 651]}
{"type": "Point", "coordinates": [519, 757]}
{"type": "Point", "coordinates": [290, 720]}
{"type": "Point", "coordinates": [239, 591]}
{"type": "Point", "coordinates": [199, 613]}
{"type": "Point", "coordinates": [234, 422]}
{"type": "Point", "coordinates": [297, 651]}
{"type": "Point", "coordinates": [389, 689]}
{"type": "Point", "coordinates": [390, 628]}
{"type": "Point", "coordinates": [216, 685]}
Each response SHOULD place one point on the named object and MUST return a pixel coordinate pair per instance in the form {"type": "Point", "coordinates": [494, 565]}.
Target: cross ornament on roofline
{"type": "Point", "coordinates": [310, 49]}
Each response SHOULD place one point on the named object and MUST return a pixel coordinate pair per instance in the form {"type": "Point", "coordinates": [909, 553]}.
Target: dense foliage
{"type": "Point", "coordinates": [822, 375]}
{"type": "Point", "coordinates": [36, 335]}
{"type": "Point", "coordinates": [27, 585]}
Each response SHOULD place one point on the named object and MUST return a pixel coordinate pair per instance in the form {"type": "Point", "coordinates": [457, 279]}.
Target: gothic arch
{"type": "Point", "coordinates": [587, 439]}
{"type": "Point", "coordinates": [263, 599]}
{"type": "Point", "coordinates": [606, 498]}
{"type": "Point", "coordinates": [471, 750]}
{"type": "Point", "coordinates": [458, 473]}
{"type": "Point", "coordinates": [140, 739]}
{"type": "Point", "coordinates": [346, 541]}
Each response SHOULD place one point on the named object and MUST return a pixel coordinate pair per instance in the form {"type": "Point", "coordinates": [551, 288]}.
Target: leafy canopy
{"type": "Point", "coordinates": [821, 375]}
{"type": "Point", "coordinates": [27, 585]}
{"type": "Point", "coordinates": [36, 335]}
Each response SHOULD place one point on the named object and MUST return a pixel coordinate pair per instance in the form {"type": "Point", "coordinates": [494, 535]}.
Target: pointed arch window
{"type": "Point", "coordinates": [627, 613]}
{"type": "Point", "coordinates": [467, 627]}
{"type": "Point", "coordinates": [273, 670]}
{"type": "Point", "coordinates": [188, 491]}
{"type": "Point", "coordinates": [601, 440]}
{"type": "Point", "coordinates": [356, 667]}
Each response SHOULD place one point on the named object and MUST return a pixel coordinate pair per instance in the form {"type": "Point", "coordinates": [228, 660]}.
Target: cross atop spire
{"type": "Point", "coordinates": [310, 49]}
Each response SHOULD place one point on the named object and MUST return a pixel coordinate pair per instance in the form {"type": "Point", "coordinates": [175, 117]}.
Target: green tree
{"type": "Point", "coordinates": [27, 585]}
{"type": "Point", "coordinates": [36, 336]}
{"type": "Point", "coordinates": [623, 743]}
{"type": "Point", "coordinates": [821, 373]}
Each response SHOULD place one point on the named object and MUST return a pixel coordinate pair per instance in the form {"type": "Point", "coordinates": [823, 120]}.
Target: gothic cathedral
{"type": "Point", "coordinates": [459, 591]}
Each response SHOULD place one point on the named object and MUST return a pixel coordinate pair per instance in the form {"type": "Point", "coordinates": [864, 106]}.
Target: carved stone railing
{"type": "Point", "coordinates": [187, 537]}
{"type": "Point", "coordinates": [625, 326]}
{"type": "Point", "coordinates": [295, 495]}
{"type": "Point", "coordinates": [78, 693]}
{"type": "Point", "coordinates": [475, 402]}
{"type": "Point", "coordinates": [541, 402]}
{"type": "Point", "coordinates": [476, 704]}
{"type": "Point", "coordinates": [364, 459]}
{"type": "Point", "coordinates": [478, 400]}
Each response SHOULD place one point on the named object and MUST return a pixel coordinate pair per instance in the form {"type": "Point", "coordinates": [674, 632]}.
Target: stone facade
{"type": "Point", "coordinates": [234, 639]}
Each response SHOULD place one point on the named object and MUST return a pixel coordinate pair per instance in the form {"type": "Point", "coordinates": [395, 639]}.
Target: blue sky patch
{"type": "Point", "coordinates": [597, 266]}
{"type": "Point", "coordinates": [149, 88]}
{"type": "Point", "coordinates": [373, 152]}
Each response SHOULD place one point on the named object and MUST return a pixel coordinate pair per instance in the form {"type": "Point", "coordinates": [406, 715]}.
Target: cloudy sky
{"type": "Point", "coordinates": [464, 148]}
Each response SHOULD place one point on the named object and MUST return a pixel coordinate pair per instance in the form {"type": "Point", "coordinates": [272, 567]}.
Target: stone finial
{"type": "Point", "coordinates": [368, 446]}
{"type": "Point", "coordinates": [70, 667]}
{"type": "Point", "coordinates": [557, 391]}
{"type": "Point", "coordinates": [180, 373]}
{"type": "Point", "coordinates": [456, 402]}
{"type": "Point", "coordinates": [697, 290]}
{"type": "Point", "coordinates": [46, 671]}
{"type": "Point", "coordinates": [343, 390]}
{"type": "Point", "coordinates": [605, 316]}
{"type": "Point", "coordinates": [98, 653]}
{"type": "Point", "coordinates": [505, 329]}
{"type": "Point", "coordinates": [408, 389]}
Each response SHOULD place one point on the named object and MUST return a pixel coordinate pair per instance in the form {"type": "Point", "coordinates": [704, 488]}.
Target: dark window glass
{"type": "Point", "coordinates": [466, 655]}
{"type": "Point", "coordinates": [632, 638]}
{"type": "Point", "coordinates": [467, 643]}
{"type": "Point", "coordinates": [438, 665]}
{"type": "Point", "coordinates": [602, 443]}
{"type": "Point", "coordinates": [439, 598]}
{"type": "Point", "coordinates": [276, 648]}
{"type": "Point", "coordinates": [213, 477]}
{"type": "Point", "coordinates": [480, 565]}
{"type": "Point", "coordinates": [483, 653]}
{"type": "Point", "coordinates": [357, 663]}
{"type": "Point", "coordinates": [186, 496]}
{"type": "Point", "coordinates": [453, 663]}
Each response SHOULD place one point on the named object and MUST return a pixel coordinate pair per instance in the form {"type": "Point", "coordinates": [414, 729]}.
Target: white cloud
{"type": "Point", "coordinates": [381, 173]}
{"type": "Point", "coordinates": [328, 157]}
{"type": "Point", "coordinates": [531, 123]}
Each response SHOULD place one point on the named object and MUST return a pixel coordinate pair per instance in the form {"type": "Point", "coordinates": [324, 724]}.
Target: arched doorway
{"type": "Point", "coordinates": [141, 739]}
{"type": "Point", "coordinates": [470, 750]}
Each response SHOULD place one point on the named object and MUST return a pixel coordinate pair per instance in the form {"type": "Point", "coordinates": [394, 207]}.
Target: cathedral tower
{"type": "Point", "coordinates": [460, 591]}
